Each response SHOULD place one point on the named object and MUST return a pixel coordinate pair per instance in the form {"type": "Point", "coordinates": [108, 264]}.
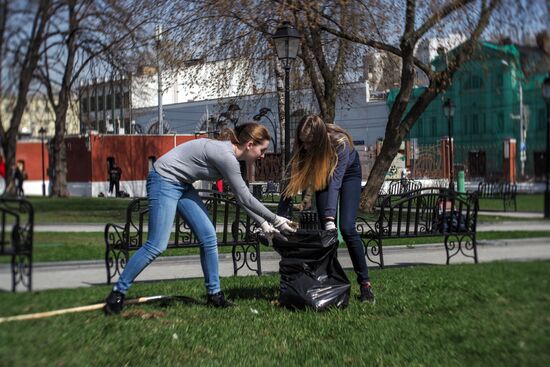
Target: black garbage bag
{"type": "Point", "coordinates": [311, 275]}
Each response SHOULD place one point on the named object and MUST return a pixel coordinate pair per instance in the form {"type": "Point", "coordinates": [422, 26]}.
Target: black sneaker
{"type": "Point", "coordinates": [114, 303]}
{"type": "Point", "coordinates": [218, 300]}
{"type": "Point", "coordinates": [366, 293]}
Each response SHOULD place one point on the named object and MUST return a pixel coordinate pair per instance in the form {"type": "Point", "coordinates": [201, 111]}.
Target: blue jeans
{"type": "Point", "coordinates": [165, 197]}
{"type": "Point", "coordinates": [350, 194]}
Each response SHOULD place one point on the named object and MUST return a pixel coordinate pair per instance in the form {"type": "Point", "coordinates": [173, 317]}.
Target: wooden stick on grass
{"type": "Point", "coordinates": [97, 306]}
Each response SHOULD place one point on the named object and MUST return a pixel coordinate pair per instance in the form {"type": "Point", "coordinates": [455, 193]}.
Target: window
{"type": "Point", "coordinates": [473, 82]}
{"type": "Point", "coordinates": [102, 127]}
{"type": "Point", "coordinates": [541, 120]}
{"type": "Point", "coordinates": [126, 100]}
{"type": "Point", "coordinates": [100, 103]}
{"type": "Point", "coordinates": [93, 102]}
{"type": "Point", "coordinates": [500, 122]}
{"type": "Point", "coordinates": [109, 102]}
{"type": "Point", "coordinates": [475, 125]}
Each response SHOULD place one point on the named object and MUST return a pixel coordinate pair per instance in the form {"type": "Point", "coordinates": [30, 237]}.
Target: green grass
{"type": "Point", "coordinates": [66, 246]}
{"type": "Point", "coordinates": [78, 210]}
{"type": "Point", "coordinates": [495, 314]}
{"type": "Point", "coordinates": [103, 210]}
{"type": "Point", "coordinates": [526, 203]}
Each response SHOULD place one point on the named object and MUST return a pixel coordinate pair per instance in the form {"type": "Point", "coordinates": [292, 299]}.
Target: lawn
{"type": "Point", "coordinates": [526, 203]}
{"type": "Point", "coordinates": [103, 210]}
{"type": "Point", "coordinates": [78, 209]}
{"type": "Point", "coordinates": [65, 246]}
{"type": "Point", "coordinates": [493, 314]}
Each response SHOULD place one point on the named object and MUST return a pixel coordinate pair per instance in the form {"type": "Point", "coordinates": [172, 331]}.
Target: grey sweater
{"type": "Point", "coordinates": [207, 159]}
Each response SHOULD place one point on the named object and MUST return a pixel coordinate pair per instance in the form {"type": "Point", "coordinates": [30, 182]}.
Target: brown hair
{"type": "Point", "coordinates": [313, 167]}
{"type": "Point", "coordinates": [245, 133]}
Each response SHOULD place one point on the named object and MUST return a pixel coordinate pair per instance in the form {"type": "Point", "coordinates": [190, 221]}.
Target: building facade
{"type": "Point", "coordinates": [497, 97]}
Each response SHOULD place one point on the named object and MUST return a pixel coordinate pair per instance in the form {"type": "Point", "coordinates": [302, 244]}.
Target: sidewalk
{"type": "Point", "coordinates": [532, 225]}
{"type": "Point", "coordinates": [76, 274]}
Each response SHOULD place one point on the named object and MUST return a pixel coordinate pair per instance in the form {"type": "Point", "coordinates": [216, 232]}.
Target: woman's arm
{"type": "Point", "coordinates": [335, 182]}
{"type": "Point", "coordinates": [229, 168]}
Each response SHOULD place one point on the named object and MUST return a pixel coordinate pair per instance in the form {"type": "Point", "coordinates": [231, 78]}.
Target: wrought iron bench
{"type": "Point", "coordinates": [266, 193]}
{"type": "Point", "coordinates": [397, 188]}
{"type": "Point", "coordinates": [16, 239]}
{"type": "Point", "coordinates": [234, 227]}
{"type": "Point", "coordinates": [427, 212]}
{"type": "Point", "coordinates": [500, 191]}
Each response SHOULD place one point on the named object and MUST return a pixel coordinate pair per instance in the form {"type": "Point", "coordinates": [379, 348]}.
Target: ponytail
{"type": "Point", "coordinates": [244, 133]}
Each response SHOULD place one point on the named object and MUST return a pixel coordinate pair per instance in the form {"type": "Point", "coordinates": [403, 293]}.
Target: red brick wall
{"type": "Point", "coordinates": [31, 153]}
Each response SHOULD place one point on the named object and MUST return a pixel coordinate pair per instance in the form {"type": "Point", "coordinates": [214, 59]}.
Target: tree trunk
{"type": "Point", "coordinates": [378, 173]}
{"type": "Point", "coordinates": [59, 187]}
{"type": "Point", "coordinates": [28, 66]}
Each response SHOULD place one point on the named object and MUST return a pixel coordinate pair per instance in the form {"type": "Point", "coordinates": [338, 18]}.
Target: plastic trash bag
{"type": "Point", "coordinates": [311, 275]}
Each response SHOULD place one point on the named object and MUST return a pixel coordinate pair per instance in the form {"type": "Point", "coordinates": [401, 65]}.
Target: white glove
{"type": "Point", "coordinates": [329, 225]}
{"type": "Point", "coordinates": [271, 232]}
{"type": "Point", "coordinates": [283, 224]}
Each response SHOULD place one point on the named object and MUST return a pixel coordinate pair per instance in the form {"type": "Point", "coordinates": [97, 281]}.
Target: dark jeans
{"type": "Point", "coordinates": [116, 186]}
{"type": "Point", "coordinates": [350, 193]}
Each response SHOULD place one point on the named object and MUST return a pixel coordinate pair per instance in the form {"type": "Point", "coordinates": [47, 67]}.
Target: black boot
{"type": "Point", "coordinates": [114, 303]}
{"type": "Point", "coordinates": [366, 293]}
{"type": "Point", "coordinates": [218, 300]}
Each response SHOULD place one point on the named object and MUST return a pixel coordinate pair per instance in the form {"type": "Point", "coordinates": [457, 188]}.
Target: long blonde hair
{"type": "Point", "coordinates": [314, 167]}
{"type": "Point", "coordinates": [251, 131]}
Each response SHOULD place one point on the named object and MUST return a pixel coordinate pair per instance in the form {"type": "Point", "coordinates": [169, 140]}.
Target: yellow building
{"type": "Point", "coordinates": [38, 113]}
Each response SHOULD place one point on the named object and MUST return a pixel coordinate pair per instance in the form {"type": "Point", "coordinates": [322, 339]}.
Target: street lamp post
{"type": "Point", "coordinates": [449, 110]}
{"type": "Point", "coordinates": [158, 39]}
{"type": "Point", "coordinates": [546, 95]}
{"type": "Point", "coordinates": [42, 132]}
{"type": "Point", "coordinates": [263, 113]}
{"type": "Point", "coordinates": [287, 41]}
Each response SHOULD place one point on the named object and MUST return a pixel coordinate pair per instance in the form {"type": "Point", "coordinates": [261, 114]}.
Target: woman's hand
{"type": "Point", "coordinates": [284, 225]}
{"type": "Point", "coordinates": [271, 232]}
{"type": "Point", "coordinates": [329, 225]}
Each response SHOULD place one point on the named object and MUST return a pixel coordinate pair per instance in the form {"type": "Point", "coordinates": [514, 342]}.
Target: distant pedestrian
{"type": "Point", "coordinates": [20, 176]}
{"type": "Point", "coordinates": [115, 173]}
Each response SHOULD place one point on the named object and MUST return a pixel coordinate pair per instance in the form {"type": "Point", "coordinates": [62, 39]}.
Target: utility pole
{"type": "Point", "coordinates": [159, 78]}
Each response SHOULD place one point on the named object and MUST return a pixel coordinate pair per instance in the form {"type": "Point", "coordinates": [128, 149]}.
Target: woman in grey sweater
{"type": "Point", "coordinates": [169, 188]}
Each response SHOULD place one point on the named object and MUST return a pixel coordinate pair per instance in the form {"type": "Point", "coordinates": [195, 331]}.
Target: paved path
{"type": "Point", "coordinates": [88, 273]}
{"type": "Point", "coordinates": [531, 225]}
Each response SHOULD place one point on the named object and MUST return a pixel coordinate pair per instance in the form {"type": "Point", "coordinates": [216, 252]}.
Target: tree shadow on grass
{"type": "Point", "coordinates": [260, 292]}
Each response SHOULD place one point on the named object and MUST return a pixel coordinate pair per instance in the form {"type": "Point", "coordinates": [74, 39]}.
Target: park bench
{"type": "Point", "coordinates": [266, 193]}
{"type": "Point", "coordinates": [233, 225]}
{"type": "Point", "coordinates": [16, 239]}
{"type": "Point", "coordinates": [427, 212]}
{"type": "Point", "coordinates": [398, 187]}
{"type": "Point", "coordinates": [501, 191]}
{"type": "Point", "coordinates": [402, 186]}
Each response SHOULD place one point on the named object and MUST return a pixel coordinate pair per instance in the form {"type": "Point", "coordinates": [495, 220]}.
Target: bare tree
{"type": "Point", "coordinates": [415, 22]}
{"type": "Point", "coordinates": [81, 33]}
{"type": "Point", "coordinates": [20, 52]}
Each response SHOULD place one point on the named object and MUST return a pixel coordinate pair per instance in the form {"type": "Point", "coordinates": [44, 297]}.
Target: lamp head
{"type": "Point", "coordinates": [448, 108]}
{"type": "Point", "coordinates": [287, 41]}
